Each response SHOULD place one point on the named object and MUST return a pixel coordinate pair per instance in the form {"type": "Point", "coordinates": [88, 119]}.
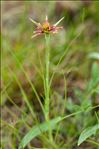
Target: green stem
{"type": "Point", "coordinates": [47, 84]}
{"type": "Point", "coordinates": [93, 142]}
{"type": "Point", "coordinates": [47, 87]}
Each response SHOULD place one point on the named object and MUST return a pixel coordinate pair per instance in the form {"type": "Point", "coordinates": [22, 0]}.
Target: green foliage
{"type": "Point", "coordinates": [88, 132]}
{"type": "Point", "coordinates": [94, 82]}
{"type": "Point", "coordinates": [74, 76]}
{"type": "Point", "coordinates": [94, 55]}
{"type": "Point", "coordinates": [37, 130]}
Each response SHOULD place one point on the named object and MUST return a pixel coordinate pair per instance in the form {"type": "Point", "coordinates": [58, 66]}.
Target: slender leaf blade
{"type": "Point", "coordinates": [88, 132]}
{"type": "Point", "coordinates": [37, 130]}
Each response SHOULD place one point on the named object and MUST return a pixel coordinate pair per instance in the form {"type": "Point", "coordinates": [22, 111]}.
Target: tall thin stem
{"type": "Point", "coordinates": [47, 86]}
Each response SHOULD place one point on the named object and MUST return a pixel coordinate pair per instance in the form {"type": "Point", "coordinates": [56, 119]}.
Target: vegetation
{"type": "Point", "coordinates": [50, 100]}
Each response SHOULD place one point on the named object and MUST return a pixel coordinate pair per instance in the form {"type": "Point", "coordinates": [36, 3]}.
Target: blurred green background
{"type": "Point", "coordinates": [21, 54]}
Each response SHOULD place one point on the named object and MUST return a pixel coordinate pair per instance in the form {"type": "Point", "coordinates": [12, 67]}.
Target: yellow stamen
{"type": "Point", "coordinates": [46, 27]}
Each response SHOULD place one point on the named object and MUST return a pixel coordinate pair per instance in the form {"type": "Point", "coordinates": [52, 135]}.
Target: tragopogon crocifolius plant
{"type": "Point", "coordinates": [46, 29]}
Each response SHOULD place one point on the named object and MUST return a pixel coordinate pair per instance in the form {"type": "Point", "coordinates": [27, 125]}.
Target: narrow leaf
{"type": "Point", "coordinates": [94, 78]}
{"type": "Point", "coordinates": [88, 132]}
{"type": "Point", "coordinates": [37, 130]}
{"type": "Point", "coordinates": [94, 55]}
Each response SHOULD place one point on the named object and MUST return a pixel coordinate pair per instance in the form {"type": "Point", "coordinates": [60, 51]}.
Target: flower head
{"type": "Point", "coordinates": [46, 28]}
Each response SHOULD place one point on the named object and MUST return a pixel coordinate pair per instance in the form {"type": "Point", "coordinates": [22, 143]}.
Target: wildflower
{"type": "Point", "coordinates": [46, 28]}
